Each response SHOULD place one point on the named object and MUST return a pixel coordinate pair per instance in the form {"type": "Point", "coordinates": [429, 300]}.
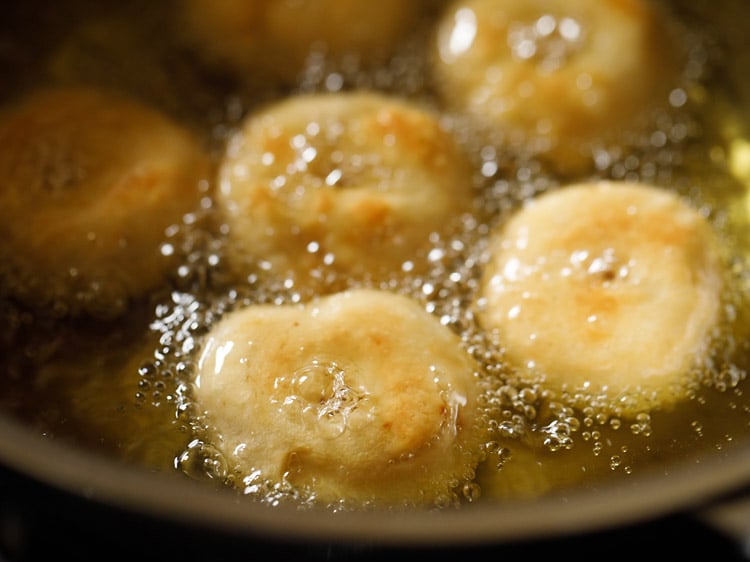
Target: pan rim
{"type": "Point", "coordinates": [682, 487]}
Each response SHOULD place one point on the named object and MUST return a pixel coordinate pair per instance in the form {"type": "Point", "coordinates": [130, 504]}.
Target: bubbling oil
{"type": "Point", "coordinates": [123, 385]}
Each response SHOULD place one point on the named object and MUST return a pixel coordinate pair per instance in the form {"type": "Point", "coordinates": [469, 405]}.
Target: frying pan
{"type": "Point", "coordinates": [708, 489]}
{"type": "Point", "coordinates": [115, 504]}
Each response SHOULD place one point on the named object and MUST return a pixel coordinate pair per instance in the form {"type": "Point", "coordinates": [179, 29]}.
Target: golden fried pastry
{"type": "Point", "coordinates": [606, 287]}
{"type": "Point", "coordinates": [276, 37]}
{"type": "Point", "coordinates": [563, 75]}
{"type": "Point", "coordinates": [360, 396]}
{"type": "Point", "coordinates": [352, 181]}
{"type": "Point", "coordinates": [89, 183]}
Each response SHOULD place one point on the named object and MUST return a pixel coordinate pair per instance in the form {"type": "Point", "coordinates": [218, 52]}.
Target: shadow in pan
{"type": "Point", "coordinates": [37, 522]}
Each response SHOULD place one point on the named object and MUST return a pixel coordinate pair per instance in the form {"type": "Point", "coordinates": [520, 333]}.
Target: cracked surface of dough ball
{"type": "Point", "coordinates": [276, 37]}
{"type": "Point", "coordinates": [355, 182]}
{"type": "Point", "coordinates": [562, 75]}
{"type": "Point", "coordinates": [605, 287]}
{"type": "Point", "coordinates": [89, 183]}
{"type": "Point", "coordinates": [360, 396]}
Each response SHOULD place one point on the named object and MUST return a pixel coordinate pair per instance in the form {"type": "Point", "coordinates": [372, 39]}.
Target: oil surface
{"type": "Point", "coordinates": [122, 385]}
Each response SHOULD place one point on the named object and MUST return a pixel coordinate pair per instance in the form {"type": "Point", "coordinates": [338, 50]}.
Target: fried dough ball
{"type": "Point", "coordinates": [89, 183]}
{"type": "Point", "coordinates": [563, 76]}
{"type": "Point", "coordinates": [361, 396]}
{"type": "Point", "coordinates": [276, 37]}
{"type": "Point", "coordinates": [605, 287]}
{"type": "Point", "coordinates": [352, 181]}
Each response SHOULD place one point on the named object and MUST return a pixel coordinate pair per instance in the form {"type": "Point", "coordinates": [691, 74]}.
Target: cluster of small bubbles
{"type": "Point", "coordinates": [471, 491]}
{"type": "Point", "coordinates": [513, 426]}
{"type": "Point", "coordinates": [255, 485]}
{"type": "Point", "coordinates": [594, 436]}
{"type": "Point", "coordinates": [180, 324]}
{"type": "Point", "coordinates": [654, 155]}
{"type": "Point", "coordinates": [403, 72]}
{"type": "Point", "coordinates": [588, 416]}
{"type": "Point", "coordinates": [503, 195]}
{"type": "Point", "coordinates": [186, 409]}
{"type": "Point", "coordinates": [504, 454]}
{"type": "Point", "coordinates": [548, 41]}
{"type": "Point", "coordinates": [592, 416]}
{"type": "Point", "coordinates": [197, 249]}
{"type": "Point", "coordinates": [557, 435]}
{"type": "Point", "coordinates": [697, 427]}
{"type": "Point", "coordinates": [152, 381]}
{"type": "Point", "coordinates": [447, 500]}
{"type": "Point", "coordinates": [202, 460]}
{"type": "Point", "coordinates": [529, 411]}
{"type": "Point", "coordinates": [497, 455]}
{"type": "Point", "coordinates": [521, 400]}
{"type": "Point", "coordinates": [641, 425]}
{"type": "Point", "coordinates": [279, 493]}
{"type": "Point", "coordinates": [729, 376]}
{"type": "Point", "coordinates": [492, 448]}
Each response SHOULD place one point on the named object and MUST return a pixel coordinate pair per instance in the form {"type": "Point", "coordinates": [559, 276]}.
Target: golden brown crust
{"type": "Point", "coordinates": [276, 37]}
{"type": "Point", "coordinates": [90, 182]}
{"type": "Point", "coordinates": [630, 276]}
{"type": "Point", "coordinates": [567, 76]}
{"type": "Point", "coordinates": [358, 396]}
{"type": "Point", "coordinates": [362, 176]}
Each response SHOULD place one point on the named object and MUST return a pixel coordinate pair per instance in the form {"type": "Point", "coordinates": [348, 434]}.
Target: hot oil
{"type": "Point", "coordinates": [122, 386]}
